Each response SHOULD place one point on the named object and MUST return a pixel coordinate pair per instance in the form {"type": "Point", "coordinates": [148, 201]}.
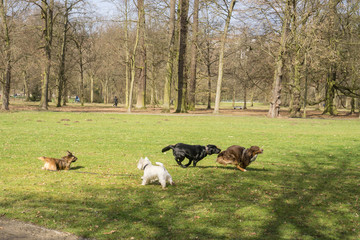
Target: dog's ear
{"type": "Point", "coordinates": [69, 153]}
{"type": "Point", "coordinates": [146, 158]}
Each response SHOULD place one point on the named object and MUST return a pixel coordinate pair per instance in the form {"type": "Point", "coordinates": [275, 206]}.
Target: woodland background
{"type": "Point", "coordinates": [289, 53]}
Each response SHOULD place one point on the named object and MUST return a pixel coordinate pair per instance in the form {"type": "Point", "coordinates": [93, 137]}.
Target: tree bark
{"type": "Point", "coordinates": [330, 92]}
{"type": "Point", "coordinates": [7, 54]}
{"type": "Point", "coordinates": [141, 96]}
{"type": "Point", "coordinates": [209, 86]}
{"type": "Point", "coordinates": [133, 67]}
{"type": "Point", "coordinates": [91, 88]}
{"type": "Point", "coordinates": [61, 74]}
{"type": "Point", "coordinates": [181, 101]}
{"type": "Point", "coordinates": [47, 10]}
{"type": "Point", "coordinates": [221, 58]}
{"type": "Point", "coordinates": [127, 55]}
{"type": "Point", "coordinates": [275, 102]}
{"type": "Point", "coordinates": [171, 57]}
{"type": "Point", "coordinates": [192, 80]}
{"type": "Point", "coordinates": [26, 86]}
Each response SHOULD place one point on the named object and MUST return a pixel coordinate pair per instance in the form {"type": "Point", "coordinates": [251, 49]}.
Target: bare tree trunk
{"type": "Point", "coordinates": [245, 94]}
{"type": "Point", "coordinates": [127, 55]}
{"type": "Point", "coordinates": [91, 88]}
{"type": "Point", "coordinates": [306, 86]}
{"type": "Point", "coordinates": [171, 56]}
{"type": "Point", "coordinates": [275, 103]}
{"type": "Point", "coordinates": [7, 55]}
{"type": "Point", "coordinates": [221, 58]}
{"type": "Point", "coordinates": [133, 67]}
{"type": "Point", "coordinates": [61, 75]}
{"type": "Point", "coordinates": [141, 96]}
{"type": "Point", "coordinates": [332, 72]}
{"type": "Point", "coordinates": [192, 80]}
{"type": "Point", "coordinates": [81, 66]}
{"type": "Point", "coordinates": [26, 86]}
{"type": "Point", "coordinates": [181, 101]}
{"type": "Point", "coordinates": [296, 106]}
{"type": "Point", "coordinates": [330, 92]}
{"type": "Point", "coordinates": [65, 93]}
{"type": "Point", "coordinates": [209, 86]}
{"type": "Point", "coordinates": [47, 9]}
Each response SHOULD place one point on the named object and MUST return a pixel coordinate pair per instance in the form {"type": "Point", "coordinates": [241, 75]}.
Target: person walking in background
{"type": "Point", "coordinates": [115, 101]}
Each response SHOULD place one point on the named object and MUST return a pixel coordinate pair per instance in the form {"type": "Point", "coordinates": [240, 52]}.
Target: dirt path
{"type": "Point", "coordinates": [16, 230]}
{"type": "Point", "coordinates": [103, 108]}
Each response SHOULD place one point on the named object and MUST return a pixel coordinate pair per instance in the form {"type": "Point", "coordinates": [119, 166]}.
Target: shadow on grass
{"type": "Point", "coordinates": [316, 201]}
{"type": "Point", "coordinates": [76, 168]}
{"type": "Point", "coordinates": [305, 200]}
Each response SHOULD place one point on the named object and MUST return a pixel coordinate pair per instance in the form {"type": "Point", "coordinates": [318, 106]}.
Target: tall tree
{"type": "Point", "coordinates": [181, 101]}
{"type": "Point", "coordinates": [133, 66]}
{"type": "Point", "coordinates": [275, 101]}
{"type": "Point", "coordinates": [193, 61]}
{"type": "Point", "coordinates": [127, 52]}
{"type": "Point", "coordinates": [47, 14]}
{"type": "Point", "coordinates": [170, 58]}
{"type": "Point", "coordinates": [61, 75]}
{"type": "Point", "coordinates": [221, 56]}
{"type": "Point", "coordinates": [7, 56]}
{"type": "Point", "coordinates": [141, 96]}
{"type": "Point", "coordinates": [333, 39]}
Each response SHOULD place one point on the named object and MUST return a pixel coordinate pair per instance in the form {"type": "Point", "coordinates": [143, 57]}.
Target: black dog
{"type": "Point", "coordinates": [192, 152]}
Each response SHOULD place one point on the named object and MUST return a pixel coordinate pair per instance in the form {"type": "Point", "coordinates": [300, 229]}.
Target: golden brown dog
{"type": "Point", "coordinates": [239, 156]}
{"type": "Point", "coordinates": [55, 164]}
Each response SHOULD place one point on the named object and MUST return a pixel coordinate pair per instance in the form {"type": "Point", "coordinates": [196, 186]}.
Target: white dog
{"type": "Point", "coordinates": [152, 173]}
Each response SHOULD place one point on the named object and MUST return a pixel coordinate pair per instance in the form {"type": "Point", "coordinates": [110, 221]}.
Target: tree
{"type": "Point", "coordinates": [133, 66]}
{"type": "Point", "coordinates": [142, 65]}
{"type": "Point", "coordinates": [60, 83]}
{"type": "Point", "coordinates": [181, 101]}
{"type": "Point", "coordinates": [221, 56]}
{"type": "Point", "coordinates": [275, 101]}
{"type": "Point", "coordinates": [193, 63]}
{"type": "Point", "coordinates": [170, 58]}
{"type": "Point", "coordinates": [7, 56]}
{"type": "Point", "coordinates": [47, 14]}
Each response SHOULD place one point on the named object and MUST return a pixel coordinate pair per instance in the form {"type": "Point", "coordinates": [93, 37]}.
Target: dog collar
{"type": "Point", "coordinates": [243, 154]}
{"type": "Point", "coordinates": [145, 166]}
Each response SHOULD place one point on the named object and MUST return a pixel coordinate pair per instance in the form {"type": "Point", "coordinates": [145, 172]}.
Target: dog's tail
{"type": "Point", "coordinates": [167, 148]}
{"type": "Point", "coordinates": [160, 164]}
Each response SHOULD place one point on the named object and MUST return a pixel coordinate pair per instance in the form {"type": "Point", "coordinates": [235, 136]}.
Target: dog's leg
{"type": "Point", "coordinates": [144, 181]}
{"type": "Point", "coordinates": [163, 183]}
{"type": "Point", "coordinates": [169, 179]}
{"type": "Point", "coordinates": [240, 168]}
{"type": "Point", "coordinates": [194, 163]}
{"type": "Point", "coordinates": [179, 161]}
{"type": "Point", "coordinates": [186, 165]}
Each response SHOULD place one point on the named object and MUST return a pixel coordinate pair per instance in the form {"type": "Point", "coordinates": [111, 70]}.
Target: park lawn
{"type": "Point", "coordinates": [304, 186]}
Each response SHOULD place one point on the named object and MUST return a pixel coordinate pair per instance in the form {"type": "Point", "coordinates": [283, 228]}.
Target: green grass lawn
{"type": "Point", "coordinates": [305, 185]}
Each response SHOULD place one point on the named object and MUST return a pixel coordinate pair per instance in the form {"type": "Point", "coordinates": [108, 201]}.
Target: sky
{"type": "Point", "coordinates": [103, 8]}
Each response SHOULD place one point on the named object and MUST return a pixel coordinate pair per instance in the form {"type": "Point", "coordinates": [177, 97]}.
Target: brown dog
{"type": "Point", "coordinates": [55, 164]}
{"type": "Point", "coordinates": [239, 156]}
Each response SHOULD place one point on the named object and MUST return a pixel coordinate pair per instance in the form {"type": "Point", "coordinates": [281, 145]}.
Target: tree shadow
{"type": "Point", "coordinates": [310, 195]}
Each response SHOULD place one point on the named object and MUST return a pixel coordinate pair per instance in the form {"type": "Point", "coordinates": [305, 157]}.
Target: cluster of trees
{"type": "Point", "coordinates": [291, 53]}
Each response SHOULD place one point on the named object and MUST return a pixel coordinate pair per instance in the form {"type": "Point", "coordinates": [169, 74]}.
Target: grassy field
{"type": "Point", "coordinates": [305, 185]}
